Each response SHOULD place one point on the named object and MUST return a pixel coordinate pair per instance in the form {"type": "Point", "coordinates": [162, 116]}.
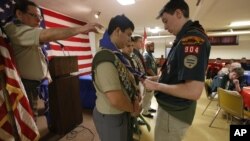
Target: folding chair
{"type": "Point", "coordinates": [209, 95]}
{"type": "Point", "coordinates": [232, 103]}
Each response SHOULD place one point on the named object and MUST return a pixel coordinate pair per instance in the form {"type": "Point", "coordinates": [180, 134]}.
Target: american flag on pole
{"type": "Point", "coordinates": [75, 46]}
{"type": "Point", "coordinates": [21, 112]}
{"type": "Point", "coordinates": [23, 116]}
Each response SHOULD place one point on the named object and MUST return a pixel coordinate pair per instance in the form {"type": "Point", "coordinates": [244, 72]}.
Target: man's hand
{"type": "Point", "coordinates": [137, 107]}
{"type": "Point", "coordinates": [236, 82]}
{"type": "Point", "coordinates": [91, 27]}
{"type": "Point", "coordinates": [150, 85]}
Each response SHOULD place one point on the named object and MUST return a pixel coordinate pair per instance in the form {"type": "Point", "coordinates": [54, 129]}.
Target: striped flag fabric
{"type": "Point", "coordinates": [18, 101]}
{"type": "Point", "coordinates": [78, 45]}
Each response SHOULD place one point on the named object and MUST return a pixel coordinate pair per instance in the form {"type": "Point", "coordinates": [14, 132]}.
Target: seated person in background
{"type": "Point", "coordinates": [234, 65]}
{"type": "Point", "coordinates": [229, 81]}
{"type": "Point", "coordinates": [214, 68]}
{"type": "Point", "coordinates": [225, 69]}
{"type": "Point", "coordinates": [244, 63]}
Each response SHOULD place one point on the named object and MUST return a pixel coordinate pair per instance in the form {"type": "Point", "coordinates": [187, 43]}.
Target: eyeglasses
{"type": "Point", "coordinates": [35, 16]}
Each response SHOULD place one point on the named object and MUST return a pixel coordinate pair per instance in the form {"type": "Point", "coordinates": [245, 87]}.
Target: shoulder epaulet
{"type": "Point", "coordinates": [195, 29]}
{"type": "Point", "coordinates": [103, 55]}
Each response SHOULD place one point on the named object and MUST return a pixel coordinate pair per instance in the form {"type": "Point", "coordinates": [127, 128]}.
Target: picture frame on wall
{"type": "Point", "coordinates": [224, 40]}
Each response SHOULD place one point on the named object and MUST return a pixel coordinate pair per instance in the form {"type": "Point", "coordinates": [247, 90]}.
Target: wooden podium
{"type": "Point", "coordinates": [64, 95]}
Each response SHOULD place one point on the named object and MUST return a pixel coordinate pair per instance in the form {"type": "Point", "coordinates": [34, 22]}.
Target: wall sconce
{"type": "Point", "coordinates": [97, 14]}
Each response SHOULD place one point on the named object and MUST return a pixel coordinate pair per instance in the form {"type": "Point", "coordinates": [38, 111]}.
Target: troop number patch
{"type": "Point", "coordinates": [190, 61]}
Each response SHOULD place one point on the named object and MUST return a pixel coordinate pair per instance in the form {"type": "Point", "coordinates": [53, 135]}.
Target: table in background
{"type": "Point", "coordinates": [87, 92]}
{"type": "Point", "coordinates": [246, 96]}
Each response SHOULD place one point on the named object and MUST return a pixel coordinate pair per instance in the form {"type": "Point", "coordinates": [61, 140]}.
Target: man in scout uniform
{"type": "Point", "coordinates": [151, 70]}
{"type": "Point", "coordinates": [114, 81]}
{"type": "Point", "coordinates": [182, 79]}
{"type": "Point", "coordinates": [27, 41]}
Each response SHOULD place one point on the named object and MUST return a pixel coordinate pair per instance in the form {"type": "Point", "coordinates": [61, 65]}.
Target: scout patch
{"type": "Point", "coordinates": [192, 49]}
{"type": "Point", "coordinates": [192, 40]}
{"type": "Point", "coordinates": [190, 61]}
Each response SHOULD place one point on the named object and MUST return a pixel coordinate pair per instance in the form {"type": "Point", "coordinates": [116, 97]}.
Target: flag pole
{"type": "Point", "coordinates": [144, 38]}
{"type": "Point", "coordinates": [10, 114]}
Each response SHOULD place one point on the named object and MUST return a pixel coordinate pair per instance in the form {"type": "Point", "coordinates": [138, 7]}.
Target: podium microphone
{"type": "Point", "coordinates": [62, 47]}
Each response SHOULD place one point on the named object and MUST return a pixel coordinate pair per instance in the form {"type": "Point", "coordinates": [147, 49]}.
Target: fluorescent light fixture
{"type": "Point", "coordinates": [126, 2]}
{"type": "Point", "coordinates": [154, 30]}
{"type": "Point", "coordinates": [239, 23]}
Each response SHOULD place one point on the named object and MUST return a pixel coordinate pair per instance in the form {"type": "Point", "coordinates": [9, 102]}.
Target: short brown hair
{"type": "Point", "coordinates": [238, 71]}
{"type": "Point", "coordinates": [22, 5]}
{"type": "Point", "coordinates": [173, 5]}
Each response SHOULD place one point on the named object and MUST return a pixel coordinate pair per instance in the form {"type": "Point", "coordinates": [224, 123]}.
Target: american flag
{"type": "Point", "coordinates": [23, 116]}
{"type": "Point", "coordinates": [13, 91]}
{"type": "Point", "coordinates": [75, 46]}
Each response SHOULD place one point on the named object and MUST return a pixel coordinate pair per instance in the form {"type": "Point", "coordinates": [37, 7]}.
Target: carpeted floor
{"type": "Point", "coordinates": [198, 131]}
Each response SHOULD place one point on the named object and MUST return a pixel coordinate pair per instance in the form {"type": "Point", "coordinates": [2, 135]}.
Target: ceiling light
{"type": "Point", "coordinates": [97, 14]}
{"type": "Point", "coordinates": [240, 23]}
{"type": "Point", "coordinates": [126, 2]}
{"type": "Point", "coordinates": [154, 30]}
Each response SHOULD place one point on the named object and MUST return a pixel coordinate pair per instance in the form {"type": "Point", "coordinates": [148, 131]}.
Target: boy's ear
{"type": "Point", "coordinates": [19, 14]}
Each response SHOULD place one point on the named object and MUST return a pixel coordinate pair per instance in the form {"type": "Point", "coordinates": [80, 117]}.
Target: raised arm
{"type": "Point", "coordinates": [53, 34]}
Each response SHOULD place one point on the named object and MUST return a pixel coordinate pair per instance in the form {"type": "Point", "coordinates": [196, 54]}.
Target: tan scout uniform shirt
{"type": "Point", "coordinates": [107, 79]}
{"type": "Point", "coordinates": [30, 60]}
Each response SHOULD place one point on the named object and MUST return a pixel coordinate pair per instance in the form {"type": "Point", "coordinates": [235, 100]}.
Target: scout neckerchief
{"type": "Point", "coordinates": [106, 43]}
{"type": "Point", "coordinates": [121, 64]}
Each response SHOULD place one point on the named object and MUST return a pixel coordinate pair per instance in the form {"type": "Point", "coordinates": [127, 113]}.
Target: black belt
{"type": "Point", "coordinates": [33, 81]}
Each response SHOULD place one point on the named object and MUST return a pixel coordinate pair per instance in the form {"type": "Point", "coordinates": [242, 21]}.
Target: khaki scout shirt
{"type": "Point", "coordinates": [30, 61]}
{"type": "Point", "coordinates": [107, 79]}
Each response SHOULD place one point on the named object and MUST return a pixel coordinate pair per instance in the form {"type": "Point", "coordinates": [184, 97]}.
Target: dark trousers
{"type": "Point", "coordinates": [31, 88]}
{"type": "Point", "coordinates": [111, 127]}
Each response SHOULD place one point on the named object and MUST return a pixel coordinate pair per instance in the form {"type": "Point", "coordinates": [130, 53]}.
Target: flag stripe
{"type": "Point", "coordinates": [60, 21]}
{"type": "Point", "coordinates": [53, 25]}
{"type": "Point", "coordinates": [60, 16]}
{"type": "Point", "coordinates": [74, 39]}
{"type": "Point", "coordinates": [85, 57]}
{"type": "Point", "coordinates": [7, 127]}
{"type": "Point", "coordinates": [68, 48]}
{"type": "Point", "coordinates": [3, 112]}
{"type": "Point", "coordinates": [71, 44]}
